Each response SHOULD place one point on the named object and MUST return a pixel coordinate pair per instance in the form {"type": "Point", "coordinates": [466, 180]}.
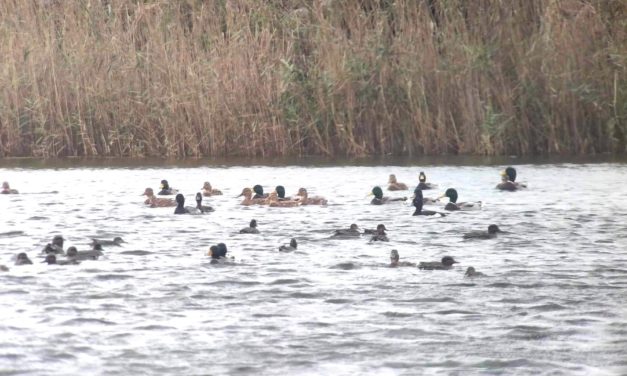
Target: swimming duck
{"type": "Point", "coordinates": [471, 272]}
{"type": "Point", "coordinates": [251, 229]}
{"type": "Point", "coordinates": [56, 247]}
{"type": "Point", "coordinates": [222, 249]}
{"type": "Point", "coordinates": [73, 254]}
{"type": "Point", "coordinates": [491, 233]}
{"type": "Point", "coordinates": [394, 185]}
{"type": "Point", "coordinates": [446, 263]}
{"type": "Point", "coordinates": [182, 209]}
{"type": "Point", "coordinates": [4, 268]}
{"type": "Point", "coordinates": [380, 235]}
{"type": "Point", "coordinates": [418, 202]}
{"type": "Point", "coordinates": [304, 198]}
{"type": "Point", "coordinates": [157, 202]}
{"type": "Point", "coordinates": [259, 192]}
{"type": "Point", "coordinates": [422, 182]}
{"type": "Point", "coordinates": [166, 190]}
{"type": "Point", "coordinates": [52, 260]}
{"type": "Point", "coordinates": [6, 189]}
{"type": "Point", "coordinates": [508, 180]}
{"type": "Point", "coordinates": [202, 208]}
{"type": "Point", "coordinates": [352, 231]}
{"type": "Point", "coordinates": [380, 200]}
{"type": "Point", "coordinates": [394, 260]}
{"type": "Point", "coordinates": [248, 198]}
{"type": "Point", "coordinates": [452, 205]}
{"type": "Point", "coordinates": [275, 202]}
{"type": "Point", "coordinates": [22, 259]}
{"type": "Point", "coordinates": [289, 248]}
{"type": "Point", "coordinates": [208, 191]}
{"type": "Point", "coordinates": [117, 241]}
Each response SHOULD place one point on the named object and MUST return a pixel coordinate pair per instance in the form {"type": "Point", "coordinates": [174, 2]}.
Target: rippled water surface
{"type": "Point", "coordinates": [554, 300]}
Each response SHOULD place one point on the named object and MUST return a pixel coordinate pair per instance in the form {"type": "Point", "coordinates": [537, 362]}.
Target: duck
{"type": "Point", "coordinates": [117, 241]}
{"type": "Point", "coordinates": [394, 185]}
{"type": "Point", "coordinates": [352, 231]}
{"type": "Point", "coordinates": [378, 199]}
{"type": "Point", "coordinates": [56, 247]}
{"type": "Point", "coordinates": [275, 202]}
{"type": "Point", "coordinates": [258, 189]}
{"type": "Point", "coordinates": [251, 229]}
{"type": "Point", "coordinates": [52, 260]}
{"type": "Point", "coordinates": [394, 260]}
{"type": "Point", "coordinates": [508, 181]}
{"type": "Point", "coordinates": [446, 263]}
{"type": "Point", "coordinates": [452, 205]}
{"type": "Point", "coordinates": [166, 190]}
{"type": "Point", "coordinates": [202, 208]}
{"type": "Point", "coordinates": [471, 272]}
{"type": "Point", "coordinates": [248, 198]}
{"type": "Point", "coordinates": [6, 189]}
{"type": "Point", "coordinates": [490, 234]}
{"type": "Point", "coordinates": [422, 182]}
{"type": "Point", "coordinates": [4, 268]}
{"type": "Point", "coordinates": [73, 254]}
{"type": "Point", "coordinates": [208, 191]}
{"type": "Point", "coordinates": [280, 191]}
{"type": "Point", "coordinates": [289, 248]}
{"type": "Point", "coordinates": [22, 259]}
{"type": "Point", "coordinates": [380, 235]}
{"type": "Point", "coordinates": [157, 202]}
{"type": "Point", "coordinates": [304, 198]}
{"type": "Point", "coordinates": [418, 202]}
{"type": "Point", "coordinates": [182, 209]}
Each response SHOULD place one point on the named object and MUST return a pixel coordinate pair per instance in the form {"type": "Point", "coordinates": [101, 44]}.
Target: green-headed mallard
{"type": "Point", "coordinates": [508, 181]}
{"type": "Point", "coordinates": [378, 199]}
{"type": "Point", "coordinates": [451, 193]}
{"type": "Point", "coordinates": [259, 192]}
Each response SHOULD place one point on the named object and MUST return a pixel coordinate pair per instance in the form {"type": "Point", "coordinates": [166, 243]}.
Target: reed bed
{"type": "Point", "coordinates": [193, 78]}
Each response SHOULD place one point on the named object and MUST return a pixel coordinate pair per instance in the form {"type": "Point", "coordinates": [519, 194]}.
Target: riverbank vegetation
{"type": "Point", "coordinates": [193, 78]}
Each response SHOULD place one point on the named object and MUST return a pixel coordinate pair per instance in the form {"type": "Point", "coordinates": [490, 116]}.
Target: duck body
{"type": "Point", "coordinates": [200, 207]}
{"type": "Point", "coordinates": [6, 189]}
{"type": "Point", "coordinates": [304, 198]}
{"type": "Point", "coordinates": [453, 205]}
{"type": "Point", "coordinates": [380, 200]}
{"type": "Point", "coordinates": [289, 248]}
{"type": "Point", "coordinates": [53, 260]}
{"type": "Point", "coordinates": [490, 234]}
{"type": "Point", "coordinates": [251, 229]}
{"type": "Point", "coordinates": [182, 209]}
{"type": "Point", "coordinates": [394, 260]}
{"type": "Point", "coordinates": [157, 202]}
{"type": "Point", "coordinates": [248, 198]}
{"type": "Point", "coordinates": [445, 264]}
{"type": "Point", "coordinates": [276, 202]}
{"type": "Point", "coordinates": [471, 273]}
{"type": "Point", "coordinates": [422, 182]}
{"type": "Point", "coordinates": [351, 232]}
{"type": "Point", "coordinates": [380, 235]}
{"type": "Point", "coordinates": [74, 254]}
{"type": "Point", "coordinates": [166, 190]}
{"type": "Point", "coordinates": [117, 241]}
{"type": "Point", "coordinates": [394, 185]}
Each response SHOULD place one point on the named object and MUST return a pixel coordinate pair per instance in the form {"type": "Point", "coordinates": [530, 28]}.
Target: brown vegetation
{"type": "Point", "coordinates": [191, 78]}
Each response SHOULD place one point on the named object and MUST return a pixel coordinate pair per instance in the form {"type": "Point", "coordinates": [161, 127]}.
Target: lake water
{"type": "Point", "coordinates": [553, 302]}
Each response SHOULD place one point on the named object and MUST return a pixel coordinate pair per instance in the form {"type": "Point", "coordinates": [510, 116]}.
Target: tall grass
{"type": "Point", "coordinates": [192, 78]}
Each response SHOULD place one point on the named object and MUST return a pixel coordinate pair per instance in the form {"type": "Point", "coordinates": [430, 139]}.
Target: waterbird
{"type": "Point", "coordinates": [394, 185]}
{"type": "Point", "coordinates": [258, 189]}
{"type": "Point", "coordinates": [352, 231]}
{"type": "Point", "coordinates": [508, 180]}
{"type": "Point", "coordinates": [52, 260]}
{"type": "Point", "coordinates": [491, 233]}
{"type": "Point", "coordinates": [202, 208]}
{"type": "Point", "coordinates": [56, 247]}
{"type": "Point", "coordinates": [166, 190]}
{"type": "Point", "coordinates": [378, 199]}
{"type": "Point", "coordinates": [446, 263]}
{"type": "Point", "coordinates": [452, 205]}
{"type": "Point", "coordinates": [394, 260]}
{"type": "Point", "coordinates": [289, 248]}
{"type": "Point", "coordinates": [6, 189]}
{"type": "Point", "coordinates": [208, 190]}
{"type": "Point", "coordinates": [182, 209]}
{"type": "Point", "coordinates": [275, 202]}
{"type": "Point", "coordinates": [305, 199]}
{"type": "Point", "coordinates": [380, 235]}
{"type": "Point", "coordinates": [422, 182]}
{"type": "Point", "coordinates": [74, 254]}
{"type": "Point", "coordinates": [117, 241]}
{"type": "Point", "coordinates": [251, 229]}
{"type": "Point", "coordinates": [248, 198]}
{"type": "Point", "coordinates": [157, 202]}
{"type": "Point", "coordinates": [418, 202]}
{"type": "Point", "coordinates": [471, 272]}
{"type": "Point", "coordinates": [22, 259]}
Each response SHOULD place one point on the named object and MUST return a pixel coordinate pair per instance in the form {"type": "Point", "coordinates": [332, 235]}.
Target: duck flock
{"type": "Point", "coordinates": [55, 253]}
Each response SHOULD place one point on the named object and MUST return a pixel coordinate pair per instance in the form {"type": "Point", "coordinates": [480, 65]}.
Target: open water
{"type": "Point", "coordinates": [553, 302]}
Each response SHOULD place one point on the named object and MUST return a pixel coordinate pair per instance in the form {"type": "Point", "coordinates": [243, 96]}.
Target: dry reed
{"type": "Point", "coordinates": [192, 78]}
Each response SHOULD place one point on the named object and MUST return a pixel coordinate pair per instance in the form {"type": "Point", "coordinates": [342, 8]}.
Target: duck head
{"type": "Point", "coordinates": [5, 186]}
{"type": "Point", "coordinates": [164, 184]}
{"type": "Point", "coordinates": [448, 261]}
{"type": "Point", "coordinates": [253, 223]}
{"type": "Point", "coordinates": [394, 257]}
{"type": "Point", "coordinates": [148, 192]}
{"type": "Point", "coordinates": [451, 193]}
{"type": "Point", "coordinates": [97, 247]}
{"type": "Point", "coordinates": [222, 249]}
{"type": "Point", "coordinates": [422, 177]}
{"type": "Point", "coordinates": [381, 229]}
{"type": "Point", "coordinates": [71, 252]}
{"type": "Point", "coordinates": [377, 192]}
{"type": "Point", "coordinates": [214, 252]}
{"type": "Point", "coordinates": [247, 193]}
{"type": "Point", "coordinates": [302, 192]}
{"type": "Point", "coordinates": [180, 199]}
{"type": "Point", "coordinates": [470, 271]}
{"type": "Point", "coordinates": [493, 229]}
{"type": "Point", "coordinates": [207, 186]}
{"type": "Point", "coordinates": [511, 173]}
{"type": "Point", "coordinates": [280, 191]}
{"type": "Point", "coordinates": [293, 243]}
{"type": "Point", "coordinates": [199, 199]}
{"type": "Point", "coordinates": [51, 259]}
{"type": "Point", "coordinates": [118, 239]}
{"type": "Point", "coordinates": [354, 227]}
{"type": "Point", "coordinates": [258, 190]}
{"type": "Point", "coordinates": [392, 179]}
{"type": "Point", "coordinates": [22, 257]}
{"type": "Point", "coordinates": [58, 240]}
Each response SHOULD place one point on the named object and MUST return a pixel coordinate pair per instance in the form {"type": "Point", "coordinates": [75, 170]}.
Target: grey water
{"type": "Point", "coordinates": [553, 301]}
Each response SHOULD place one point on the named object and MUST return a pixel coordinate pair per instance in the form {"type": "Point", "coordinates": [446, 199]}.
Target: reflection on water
{"type": "Point", "coordinates": [553, 301]}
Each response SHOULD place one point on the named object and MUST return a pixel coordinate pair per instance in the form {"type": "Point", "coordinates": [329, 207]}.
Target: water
{"type": "Point", "coordinates": [553, 302]}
